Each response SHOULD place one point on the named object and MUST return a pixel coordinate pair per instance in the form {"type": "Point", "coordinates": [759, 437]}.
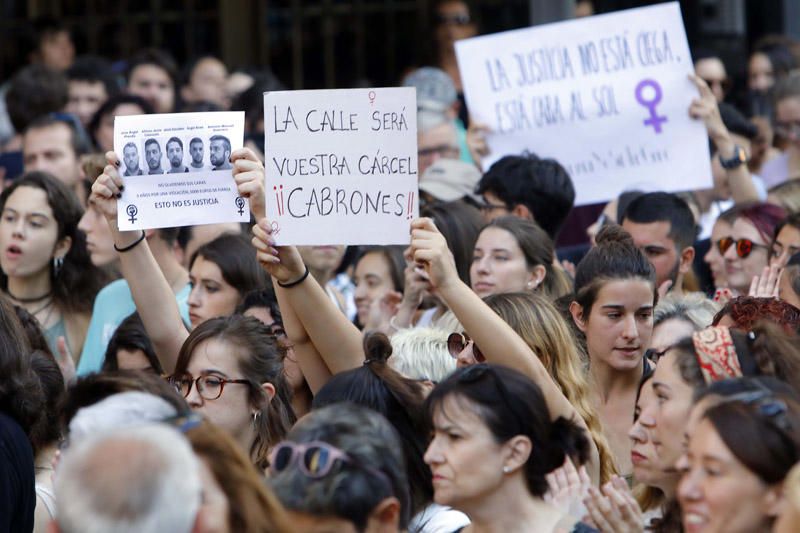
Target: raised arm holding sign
{"type": "Point", "coordinates": [341, 165]}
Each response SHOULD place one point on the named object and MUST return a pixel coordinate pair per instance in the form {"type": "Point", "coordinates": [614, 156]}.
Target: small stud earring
{"type": "Point", "coordinates": [506, 469]}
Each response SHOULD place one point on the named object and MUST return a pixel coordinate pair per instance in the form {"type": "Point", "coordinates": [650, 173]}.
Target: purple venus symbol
{"type": "Point", "coordinates": [655, 119]}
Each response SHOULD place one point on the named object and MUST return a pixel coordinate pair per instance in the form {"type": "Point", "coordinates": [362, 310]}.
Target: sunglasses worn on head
{"type": "Point", "coordinates": [316, 459]}
{"type": "Point", "coordinates": [744, 247]}
{"type": "Point", "coordinates": [456, 342]}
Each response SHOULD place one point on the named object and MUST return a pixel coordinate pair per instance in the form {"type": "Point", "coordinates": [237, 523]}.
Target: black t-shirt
{"type": "Point", "coordinates": [17, 482]}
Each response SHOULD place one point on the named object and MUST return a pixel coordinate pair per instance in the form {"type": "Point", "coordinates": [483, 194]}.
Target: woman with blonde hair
{"type": "Point", "coordinates": [542, 328]}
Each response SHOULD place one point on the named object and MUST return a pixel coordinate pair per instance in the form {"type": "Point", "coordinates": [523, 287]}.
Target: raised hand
{"type": "Point", "coordinates": [614, 510]}
{"type": "Point", "coordinates": [281, 262]}
{"type": "Point", "coordinates": [767, 285]}
{"type": "Point", "coordinates": [429, 250]}
{"type": "Point", "coordinates": [248, 172]}
{"type": "Point", "coordinates": [107, 189]}
{"type": "Point", "coordinates": [568, 487]}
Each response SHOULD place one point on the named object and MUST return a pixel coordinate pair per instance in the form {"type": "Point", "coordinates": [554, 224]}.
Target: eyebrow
{"type": "Point", "coordinates": [658, 384]}
{"type": "Point", "coordinates": [34, 214]}
{"type": "Point", "coordinates": [207, 371]}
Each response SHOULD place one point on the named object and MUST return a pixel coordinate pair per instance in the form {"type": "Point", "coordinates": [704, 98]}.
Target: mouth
{"type": "Point", "coordinates": [13, 251]}
{"type": "Point", "coordinates": [195, 319]}
{"type": "Point", "coordinates": [637, 458]}
{"type": "Point", "coordinates": [628, 352]}
{"type": "Point", "coordinates": [694, 521]}
{"type": "Point", "coordinates": [483, 286]}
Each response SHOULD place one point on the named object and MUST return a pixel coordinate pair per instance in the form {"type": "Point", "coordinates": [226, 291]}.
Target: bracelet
{"type": "Point", "coordinates": [130, 246]}
{"type": "Point", "coordinates": [296, 282]}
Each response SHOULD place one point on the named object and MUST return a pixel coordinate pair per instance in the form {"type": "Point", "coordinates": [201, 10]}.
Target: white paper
{"type": "Point", "coordinates": [176, 169]}
{"type": "Point", "coordinates": [568, 91]}
{"type": "Point", "coordinates": [341, 165]}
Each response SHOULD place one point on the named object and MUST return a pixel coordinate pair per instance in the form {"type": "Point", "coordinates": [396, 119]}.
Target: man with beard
{"type": "Point", "coordinates": [220, 152]}
{"type": "Point", "coordinates": [175, 156]}
{"type": "Point", "coordinates": [664, 228]}
{"type": "Point", "coordinates": [130, 154]}
{"type": "Point", "coordinates": [196, 152]}
{"type": "Point", "coordinates": [152, 152]}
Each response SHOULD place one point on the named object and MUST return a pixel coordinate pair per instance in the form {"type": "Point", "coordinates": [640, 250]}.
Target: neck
{"type": "Point", "coordinates": [322, 276]}
{"type": "Point", "coordinates": [301, 401]}
{"type": "Point", "coordinates": [609, 381]}
{"type": "Point", "coordinates": [176, 275]}
{"type": "Point", "coordinates": [34, 287]}
{"type": "Point", "coordinates": [510, 509]}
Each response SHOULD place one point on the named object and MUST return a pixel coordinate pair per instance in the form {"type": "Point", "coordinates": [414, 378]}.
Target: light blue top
{"type": "Point", "coordinates": [113, 304]}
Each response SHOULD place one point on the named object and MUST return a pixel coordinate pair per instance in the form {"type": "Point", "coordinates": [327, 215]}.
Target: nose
{"type": "Point", "coordinates": [730, 253]}
{"type": "Point", "coordinates": [433, 454]}
{"type": "Point", "coordinates": [83, 223]}
{"type": "Point", "coordinates": [637, 433]}
{"type": "Point", "coordinates": [194, 299]}
{"type": "Point", "coordinates": [194, 399]}
{"type": "Point", "coordinates": [360, 292]}
{"type": "Point", "coordinates": [483, 265]}
{"type": "Point", "coordinates": [466, 357]}
{"type": "Point", "coordinates": [630, 331]}
{"type": "Point", "coordinates": [688, 487]}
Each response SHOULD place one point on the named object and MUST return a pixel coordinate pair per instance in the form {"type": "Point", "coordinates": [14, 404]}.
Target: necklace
{"type": "Point", "coordinates": [42, 308]}
{"type": "Point", "coordinates": [30, 300]}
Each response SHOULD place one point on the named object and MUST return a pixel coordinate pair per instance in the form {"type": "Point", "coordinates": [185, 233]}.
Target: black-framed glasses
{"type": "Point", "coordinates": [316, 460]}
{"type": "Point", "coordinates": [457, 342]}
{"type": "Point", "coordinates": [744, 247]}
{"type": "Point", "coordinates": [209, 387]}
{"type": "Point", "coordinates": [485, 205]}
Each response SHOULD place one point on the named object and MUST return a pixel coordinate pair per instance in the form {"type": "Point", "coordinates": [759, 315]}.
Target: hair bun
{"type": "Point", "coordinates": [377, 348]}
{"type": "Point", "coordinates": [568, 439]}
{"type": "Point", "coordinates": [613, 234]}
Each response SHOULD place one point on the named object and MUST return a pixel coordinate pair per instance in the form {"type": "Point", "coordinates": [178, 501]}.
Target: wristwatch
{"type": "Point", "coordinates": [738, 159]}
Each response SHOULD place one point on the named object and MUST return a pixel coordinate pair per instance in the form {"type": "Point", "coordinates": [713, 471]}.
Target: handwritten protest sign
{"type": "Point", "coordinates": [607, 96]}
{"type": "Point", "coordinates": [341, 165]}
{"type": "Point", "coordinates": [176, 169]}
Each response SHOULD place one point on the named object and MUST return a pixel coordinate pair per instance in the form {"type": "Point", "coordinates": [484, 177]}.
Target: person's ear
{"type": "Point", "coordinates": [773, 501]}
{"type": "Point", "coordinates": [517, 451]}
{"type": "Point", "coordinates": [385, 517]}
{"type": "Point", "coordinates": [62, 247]}
{"type": "Point", "coordinates": [537, 276]}
{"type": "Point", "coordinates": [686, 260]}
{"type": "Point", "coordinates": [269, 391]}
{"type": "Point", "coordinates": [576, 310]}
{"type": "Point", "coordinates": [522, 211]}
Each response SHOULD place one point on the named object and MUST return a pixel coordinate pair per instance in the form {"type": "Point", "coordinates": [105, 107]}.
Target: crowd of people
{"type": "Point", "coordinates": [484, 378]}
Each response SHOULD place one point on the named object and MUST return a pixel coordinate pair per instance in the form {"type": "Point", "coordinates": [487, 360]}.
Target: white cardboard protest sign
{"type": "Point", "coordinates": [606, 96]}
{"type": "Point", "coordinates": [176, 169]}
{"type": "Point", "coordinates": [341, 165]}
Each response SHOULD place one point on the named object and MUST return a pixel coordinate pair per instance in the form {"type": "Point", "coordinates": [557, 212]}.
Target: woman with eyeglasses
{"type": "Point", "coordinates": [46, 268]}
{"type": "Point", "coordinates": [494, 441]}
{"type": "Point", "coordinates": [786, 96]}
{"type": "Point", "coordinates": [746, 249]}
{"type": "Point", "coordinates": [340, 469]}
{"type": "Point", "coordinates": [514, 255]}
{"type": "Point", "coordinates": [716, 263]}
{"type": "Point", "coordinates": [730, 480]}
{"type": "Point", "coordinates": [229, 368]}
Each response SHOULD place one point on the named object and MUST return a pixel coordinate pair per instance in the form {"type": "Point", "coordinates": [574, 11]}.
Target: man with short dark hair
{"type": "Point", "coordinates": [196, 152]}
{"type": "Point", "coordinates": [220, 152]}
{"type": "Point", "coordinates": [152, 153]}
{"type": "Point", "coordinates": [54, 144]}
{"type": "Point", "coordinates": [175, 156]}
{"type": "Point", "coordinates": [528, 187]}
{"type": "Point", "coordinates": [91, 83]}
{"type": "Point", "coordinates": [49, 43]}
{"type": "Point", "coordinates": [130, 154]}
{"type": "Point", "coordinates": [664, 228]}
{"type": "Point", "coordinates": [152, 74]}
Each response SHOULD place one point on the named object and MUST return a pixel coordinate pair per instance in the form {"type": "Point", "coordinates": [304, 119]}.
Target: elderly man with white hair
{"type": "Point", "coordinates": [141, 478]}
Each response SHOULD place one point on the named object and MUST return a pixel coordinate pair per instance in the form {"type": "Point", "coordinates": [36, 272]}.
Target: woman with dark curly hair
{"type": "Point", "coordinates": [45, 265]}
